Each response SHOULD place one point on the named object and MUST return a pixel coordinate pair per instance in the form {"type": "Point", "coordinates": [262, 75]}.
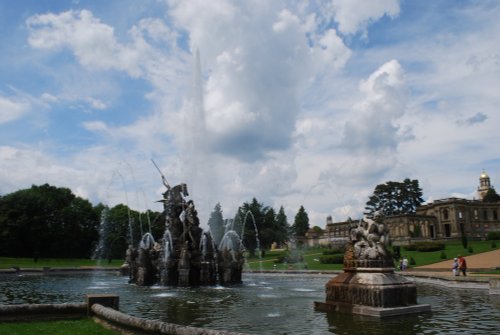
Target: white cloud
{"type": "Point", "coordinates": [95, 103]}
{"type": "Point", "coordinates": [95, 126]}
{"type": "Point", "coordinates": [355, 15]}
{"type": "Point", "coordinates": [288, 116]}
{"type": "Point", "coordinates": [93, 42]}
{"type": "Point", "coordinates": [257, 71]}
{"type": "Point", "coordinates": [49, 98]}
{"type": "Point", "coordinates": [12, 109]}
{"type": "Point", "coordinates": [373, 128]}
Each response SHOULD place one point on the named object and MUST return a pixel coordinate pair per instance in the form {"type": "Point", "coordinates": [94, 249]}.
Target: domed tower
{"type": "Point", "coordinates": [484, 185]}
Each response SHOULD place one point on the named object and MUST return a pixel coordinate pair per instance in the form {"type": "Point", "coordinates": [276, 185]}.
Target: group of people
{"type": "Point", "coordinates": [459, 265]}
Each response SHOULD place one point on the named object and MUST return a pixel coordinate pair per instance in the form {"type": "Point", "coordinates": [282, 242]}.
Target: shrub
{"type": "Point", "coordinates": [396, 252]}
{"type": "Point", "coordinates": [443, 255]}
{"type": "Point", "coordinates": [333, 252]}
{"type": "Point", "coordinates": [332, 259]}
{"type": "Point", "coordinates": [493, 244]}
{"type": "Point", "coordinates": [412, 261]}
{"type": "Point", "coordinates": [291, 258]}
{"type": "Point", "coordinates": [410, 247]}
{"type": "Point", "coordinates": [464, 241]}
{"type": "Point", "coordinates": [280, 260]}
{"type": "Point", "coordinates": [493, 235]}
{"type": "Point", "coordinates": [470, 250]}
{"type": "Point", "coordinates": [426, 246]}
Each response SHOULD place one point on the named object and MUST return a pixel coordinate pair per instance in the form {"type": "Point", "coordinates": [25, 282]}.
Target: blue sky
{"type": "Point", "coordinates": [294, 103]}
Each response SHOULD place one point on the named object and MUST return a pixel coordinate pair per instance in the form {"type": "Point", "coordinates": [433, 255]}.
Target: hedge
{"type": "Point", "coordinates": [426, 246]}
{"type": "Point", "coordinates": [332, 259]}
{"type": "Point", "coordinates": [493, 235]}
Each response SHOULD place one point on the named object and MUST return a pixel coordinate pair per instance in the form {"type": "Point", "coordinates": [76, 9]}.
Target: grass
{"type": "Point", "coordinates": [453, 249]}
{"type": "Point", "coordinates": [61, 327]}
{"type": "Point", "coordinates": [311, 257]}
{"type": "Point", "coordinates": [310, 261]}
{"type": "Point", "coordinates": [9, 262]}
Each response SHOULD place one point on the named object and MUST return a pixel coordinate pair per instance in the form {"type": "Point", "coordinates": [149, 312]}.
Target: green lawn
{"type": "Point", "coordinates": [453, 249]}
{"type": "Point", "coordinates": [311, 256]}
{"type": "Point", "coordinates": [310, 261]}
{"type": "Point", "coordinates": [8, 262]}
{"type": "Point", "coordinates": [62, 327]}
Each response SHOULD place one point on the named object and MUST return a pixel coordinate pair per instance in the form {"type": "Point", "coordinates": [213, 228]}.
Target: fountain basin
{"type": "Point", "coordinates": [264, 304]}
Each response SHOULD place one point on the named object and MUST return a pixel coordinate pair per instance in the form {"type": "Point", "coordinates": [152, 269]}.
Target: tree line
{"type": "Point", "coordinates": [52, 222]}
{"type": "Point", "coordinates": [258, 226]}
{"type": "Point", "coordinates": [49, 221]}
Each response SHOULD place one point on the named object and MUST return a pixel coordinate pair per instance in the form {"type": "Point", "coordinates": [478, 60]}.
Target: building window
{"type": "Point", "coordinates": [447, 230]}
{"type": "Point", "coordinates": [460, 215]}
{"type": "Point", "coordinates": [485, 215]}
{"type": "Point", "coordinates": [445, 214]}
{"type": "Point", "coordinates": [476, 214]}
{"type": "Point", "coordinates": [495, 215]}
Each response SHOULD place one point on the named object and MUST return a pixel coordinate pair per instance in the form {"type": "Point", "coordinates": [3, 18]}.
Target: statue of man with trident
{"type": "Point", "coordinates": [173, 205]}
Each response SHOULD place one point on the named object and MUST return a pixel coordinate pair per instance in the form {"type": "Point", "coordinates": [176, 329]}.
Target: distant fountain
{"type": "Point", "coordinates": [185, 256]}
{"type": "Point", "coordinates": [101, 251]}
{"type": "Point", "coordinates": [368, 285]}
{"type": "Point", "coordinates": [257, 241]}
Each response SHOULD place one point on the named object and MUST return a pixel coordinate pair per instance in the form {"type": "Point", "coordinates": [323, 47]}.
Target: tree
{"type": "Point", "coordinates": [252, 218]}
{"type": "Point", "coordinates": [301, 223]}
{"type": "Point", "coordinates": [395, 198]}
{"type": "Point", "coordinates": [282, 227]}
{"type": "Point", "coordinates": [47, 221]}
{"type": "Point", "coordinates": [216, 224]}
{"type": "Point", "coordinates": [317, 230]}
{"type": "Point", "coordinates": [261, 226]}
{"type": "Point", "coordinates": [491, 196]}
{"type": "Point", "coordinates": [123, 229]}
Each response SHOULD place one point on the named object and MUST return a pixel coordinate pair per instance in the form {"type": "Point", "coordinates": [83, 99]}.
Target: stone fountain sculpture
{"type": "Point", "coordinates": [185, 256]}
{"type": "Point", "coordinates": [368, 285]}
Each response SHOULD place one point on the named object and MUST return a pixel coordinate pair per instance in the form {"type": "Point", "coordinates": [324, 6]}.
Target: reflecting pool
{"type": "Point", "coordinates": [264, 304]}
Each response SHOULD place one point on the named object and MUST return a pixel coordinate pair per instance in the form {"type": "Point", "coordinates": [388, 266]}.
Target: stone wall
{"type": "Point", "coordinates": [135, 324]}
{"type": "Point", "coordinates": [107, 315]}
{"type": "Point", "coordinates": [42, 311]}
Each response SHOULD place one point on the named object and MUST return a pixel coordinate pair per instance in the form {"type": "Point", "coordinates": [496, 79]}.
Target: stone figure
{"type": "Point", "coordinates": [368, 241]}
{"type": "Point", "coordinates": [185, 255]}
{"type": "Point", "coordinates": [368, 285]}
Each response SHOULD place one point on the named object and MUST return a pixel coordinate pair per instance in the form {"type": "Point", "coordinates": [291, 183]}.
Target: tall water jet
{"type": "Point", "coordinates": [198, 169]}
{"type": "Point", "coordinates": [130, 220]}
{"type": "Point", "coordinates": [101, 251]}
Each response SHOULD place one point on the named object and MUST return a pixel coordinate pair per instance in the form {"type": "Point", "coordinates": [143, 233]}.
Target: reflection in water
{"type": "Point", "coordinates": [264, 304]}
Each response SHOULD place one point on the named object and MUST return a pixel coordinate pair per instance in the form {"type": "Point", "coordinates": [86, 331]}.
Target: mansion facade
{"type": "Point", "coordinates": [442, 219]}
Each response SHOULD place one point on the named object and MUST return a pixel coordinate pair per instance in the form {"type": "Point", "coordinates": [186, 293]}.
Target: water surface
{"type": "Point", "coordinates": [264, 304]}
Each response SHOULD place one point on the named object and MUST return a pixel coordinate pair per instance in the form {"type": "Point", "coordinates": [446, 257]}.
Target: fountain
{"type": "Point", "coordinates": [368, 285]}
{"type": "Point", "coordinates": [185, 256]}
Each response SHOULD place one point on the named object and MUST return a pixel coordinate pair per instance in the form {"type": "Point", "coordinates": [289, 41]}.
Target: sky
{"type": "Point", "coordinates": [295, 103]}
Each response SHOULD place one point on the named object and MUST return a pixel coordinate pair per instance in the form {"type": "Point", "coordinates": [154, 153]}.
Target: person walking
{"type": "Point", "coordinates": [454, 267]}
{"type": "Point", "coordinates": [462, 265]}
{"type": "Point", "coordinates": [404, 264]}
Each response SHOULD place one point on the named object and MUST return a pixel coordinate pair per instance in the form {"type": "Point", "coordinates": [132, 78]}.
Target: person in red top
{"type": "Point", "coordinates": [462, 265]}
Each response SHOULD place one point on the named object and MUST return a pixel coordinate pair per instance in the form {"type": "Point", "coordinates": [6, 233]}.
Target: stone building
{"type": "Point", "coordinates": [442, 219]}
